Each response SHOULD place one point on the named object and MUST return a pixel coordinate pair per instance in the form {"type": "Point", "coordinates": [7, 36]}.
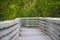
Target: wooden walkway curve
{"type": "Point", "coordinates": [33, 34]}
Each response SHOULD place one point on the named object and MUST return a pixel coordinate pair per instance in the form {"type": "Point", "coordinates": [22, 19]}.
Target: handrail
{"type": "Point", "coordinates": [9, 30]}
{"type": "Point", "coordinates": [51, 26]}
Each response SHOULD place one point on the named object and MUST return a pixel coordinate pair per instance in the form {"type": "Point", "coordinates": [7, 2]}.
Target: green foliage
{"type": "Point", "coordinates": [10, 9]}
{"type": "Point", "coordinates": [40, 8]}
{"type": "Point", "coordinates": [48, 8]}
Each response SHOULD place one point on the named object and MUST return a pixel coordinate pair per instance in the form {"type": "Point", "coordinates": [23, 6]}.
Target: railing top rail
{"type": "Point", "coordinates": [8, 23]}
{"type": "Point", "coordinates": [48, 18]}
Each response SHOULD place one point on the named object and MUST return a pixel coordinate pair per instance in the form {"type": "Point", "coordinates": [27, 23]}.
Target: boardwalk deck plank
{"type": "Point", "coordinates": [33, 34]}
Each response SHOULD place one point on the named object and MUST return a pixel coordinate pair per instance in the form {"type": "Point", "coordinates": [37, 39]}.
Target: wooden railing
{"type": "Point", "coordinates": [30, 22]}
{"type": "Point", "coordinates": [51, 26]}
{"type": "Point", "coordinates": [9, 30]}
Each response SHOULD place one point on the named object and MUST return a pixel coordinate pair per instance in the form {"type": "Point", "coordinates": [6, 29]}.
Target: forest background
{"type": "Point", "coordinates": [10, 9]}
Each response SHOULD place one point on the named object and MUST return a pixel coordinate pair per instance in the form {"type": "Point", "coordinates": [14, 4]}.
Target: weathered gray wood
{"type": "Point", "coordinates": [9, 30]}
{"type": "Point", "coordinates": [26, 22]}
{"type": "Point", "coordinates": [33, 34]}
{"type": "Point", "coordinates": [51, 26]}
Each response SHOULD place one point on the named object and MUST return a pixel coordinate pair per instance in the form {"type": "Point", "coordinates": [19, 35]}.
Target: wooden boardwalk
{"type": "Point", "coordinates": [33, 34]}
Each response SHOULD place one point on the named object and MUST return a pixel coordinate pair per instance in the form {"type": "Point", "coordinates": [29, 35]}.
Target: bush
{"type": "Point", "coordinates": [54, 10]}
{"type": "Point", "coordinates": [8, 9]}
{"type": "Point", "coordinates": [48, 8]}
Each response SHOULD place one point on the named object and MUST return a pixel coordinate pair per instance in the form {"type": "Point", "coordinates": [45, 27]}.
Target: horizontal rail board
{"type": "Point", "coordinates": [51, 26]}
{"type": "Point", "coordinates": [8, 27]}
{"type": "Point", "coordinates": [9, 30]}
